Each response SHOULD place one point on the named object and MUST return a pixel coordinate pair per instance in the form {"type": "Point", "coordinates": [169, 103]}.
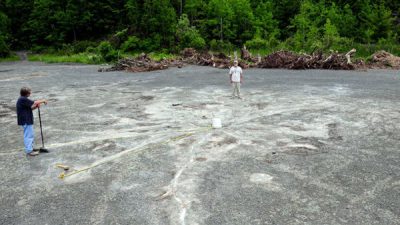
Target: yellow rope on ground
{"type": "Point", "coordinates": [177, 138]}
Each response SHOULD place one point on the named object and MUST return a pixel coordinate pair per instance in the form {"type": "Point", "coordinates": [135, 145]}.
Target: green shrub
{"type": "Point", "coordinates": [10, 58]}
{"type": "Point", "coordinates": [38, 49]}
{"type": "Point", "coordinates": [4, 48]}
{"type": "Point", "coordinates": [118, 38]}
{"type": "Point", "coordinates": [81, 46]}
{"type": "Point", "coordinates": [91, 49]}
{"type": "Point", "coordinates": [162, 55]}
{"type": "Point", "coordinates": [66, 49]}
{"type": "Point", "coordinates": [256, 44]}
{"type": "Point", "coordinates": [221, 46]}
{"type": "Point", "coordinates": [343, 44]}
{"type": "Point", "coordinates": [194, 40]}
{"type": "Point", "coordinates": [131, 44]}
{"type": "Point", "coordinates": [150, 44]}
{"type": "Point", "coordinates": [214, 45]}
{"type": "Point", "coordinates": [107, 52]}
{"type": "Point", "coordinates": [188, 36]}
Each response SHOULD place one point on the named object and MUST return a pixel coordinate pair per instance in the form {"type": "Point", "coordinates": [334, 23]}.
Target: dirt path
{"type": "Point", "coordinates": [23, 55]}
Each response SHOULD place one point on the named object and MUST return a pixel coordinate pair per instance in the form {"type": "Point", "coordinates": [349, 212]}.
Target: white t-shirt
{"type": "Point", "coordinates": [235, 71]}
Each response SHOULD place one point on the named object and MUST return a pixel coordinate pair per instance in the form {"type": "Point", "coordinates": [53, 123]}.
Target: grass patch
{"type": "Point", "coordinates": [159, 56]}
{"type": "Point", "coordinates": [90, 58]}
{"type": "Point", "coordinates": [13, 57]}
{"type": "Point", "coordinates": [156, 56]}
{"type": "Point", "coordinates": [85, 58]}
{"type": "Point", "coordinates": [129, 55]}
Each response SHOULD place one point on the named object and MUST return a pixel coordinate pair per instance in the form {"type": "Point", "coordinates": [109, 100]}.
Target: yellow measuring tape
{"type": "Point", "coordinates": [176, 138]}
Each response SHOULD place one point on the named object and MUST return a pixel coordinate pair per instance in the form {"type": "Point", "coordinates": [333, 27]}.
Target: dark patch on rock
{"type": "Point", "coordinates": [301, 151]}
{"type": "Point", "coordinates": [146, 98]}
{"type": "Point", "coordinates": [201, 159]}
{"type": "Point", "coordinates": [7, 110]}
{"type": "Point", "coordinates": [3, 71]}
{"type": "Point", "coordinates": [333, 132]}
{"type": "Point", "coordinates": [260, 105]}
{"type": "Point", "coordinates": [147, 124]}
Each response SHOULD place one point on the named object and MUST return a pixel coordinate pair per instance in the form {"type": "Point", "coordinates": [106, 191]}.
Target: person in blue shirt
{"type": "Point", "coordinates": [25, 118]}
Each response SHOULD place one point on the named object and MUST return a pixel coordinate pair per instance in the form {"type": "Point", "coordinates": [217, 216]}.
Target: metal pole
{"type": "Point", "coordinates": [41, 130]}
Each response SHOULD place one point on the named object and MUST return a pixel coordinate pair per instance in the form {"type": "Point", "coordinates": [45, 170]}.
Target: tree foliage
{"type": "Point", "coordinates": [188, 36]}
{"type": "Point", "coordinates": [4, 35]}
{"type": "Point", "coordinates": [153, 25]}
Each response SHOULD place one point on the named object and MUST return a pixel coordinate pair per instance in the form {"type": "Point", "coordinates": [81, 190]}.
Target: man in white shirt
{"type": "Point", "coordinates": [236, 76]}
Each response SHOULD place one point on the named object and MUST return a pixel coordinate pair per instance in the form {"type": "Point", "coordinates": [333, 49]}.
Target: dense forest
{"type": "Point", "coordinates": [218, 25]}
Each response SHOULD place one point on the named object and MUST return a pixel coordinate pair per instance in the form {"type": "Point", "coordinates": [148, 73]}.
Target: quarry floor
{"type": "Point", "coordinates": [301, 147]}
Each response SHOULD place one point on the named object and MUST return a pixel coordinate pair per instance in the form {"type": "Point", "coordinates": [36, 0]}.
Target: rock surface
{"type": "Point", "coordinates": [302, 147]}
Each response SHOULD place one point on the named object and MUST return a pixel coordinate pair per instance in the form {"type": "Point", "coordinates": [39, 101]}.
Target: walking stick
{"type": "Point", "coordinates": [42, 149]}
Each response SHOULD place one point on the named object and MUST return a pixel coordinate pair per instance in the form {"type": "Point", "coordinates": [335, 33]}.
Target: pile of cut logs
{"type": "Point", "coordinates": [279, 59]}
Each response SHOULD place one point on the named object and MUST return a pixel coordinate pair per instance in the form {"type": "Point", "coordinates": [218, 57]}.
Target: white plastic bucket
{"type": "Point", "coordinates": [216, 123]}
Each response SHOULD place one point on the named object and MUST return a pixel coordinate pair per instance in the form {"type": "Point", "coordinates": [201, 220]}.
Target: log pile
{"type": "Point", "coordinates": [280, 59]}
{"type": "Point", "coordinates": [245, 54]}
{"type": "Point", "coordinates": [141, 63]}
{"type": "Point", "coordinates": [337, 62]}
{"type": "Point", "coordinates": [383, 59]}
{"type": "Point", "coordinates": [191, 56]}
{"type": "Point", "coordinates": [290, 60]}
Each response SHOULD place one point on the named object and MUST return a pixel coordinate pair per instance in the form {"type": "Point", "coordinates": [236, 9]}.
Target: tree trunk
{"type": "Point", "coordinates": [74, 34]}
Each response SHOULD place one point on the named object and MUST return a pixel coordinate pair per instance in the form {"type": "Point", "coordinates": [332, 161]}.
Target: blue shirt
{"type": "Point", "coordinates": [24, 111]}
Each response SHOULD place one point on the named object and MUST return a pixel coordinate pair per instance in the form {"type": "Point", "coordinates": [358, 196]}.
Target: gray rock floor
{"type": "Point", "coordinates": [302, 147]}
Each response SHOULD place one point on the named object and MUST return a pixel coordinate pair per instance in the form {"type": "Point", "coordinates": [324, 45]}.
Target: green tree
{"type": "Point", "coordinates": [284, 12]}
{"type": "Point", "coordinates": [158, 23]}
{"type": "Point", "coordinates": [265, 23]}
{"type": "Point", "coordinates": [242, 21]}
{"type": "Point", "coordinates": [42, 24]}
{"type": "Point", "coordinates": [307, 25]}
{"type": "Point", "coordinates": [376, 21]}
{"type": "Point", "coordinates": [257, 43]}
{"type": "Point", "coordinates": [342, 18]}
{"type": "Point", "coordinates": [219, 20]}
{"type": "Point", "coordinates": [331, 34]}
{"type": "Point", "coordinates": [187, 35]}
{"type": "Point", "coordinates": [133, 14]}
{"type": "Point", "coordinates": [4, 35]}
{"type": "Point", "coordinates": [53, 22]}
{"type": "Point", "coordinates": [72, 19]}
{"type": "Point", "coordinates": [303, 24]}
{"type": "Point", "coordinates": [195, 10]}
{"type": "Point", "coordinates": [18, 11]}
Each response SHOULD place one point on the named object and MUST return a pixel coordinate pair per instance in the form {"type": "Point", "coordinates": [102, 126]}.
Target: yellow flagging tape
{"type": "Point", "coordinates": [172, 139]}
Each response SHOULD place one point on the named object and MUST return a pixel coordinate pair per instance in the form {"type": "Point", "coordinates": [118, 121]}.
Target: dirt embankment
{"type": "Point", "coordinates": [279, 59]}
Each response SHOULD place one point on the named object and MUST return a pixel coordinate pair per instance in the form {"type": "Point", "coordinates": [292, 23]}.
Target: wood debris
{"type": "Point", "coordinates": [279, 59]}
